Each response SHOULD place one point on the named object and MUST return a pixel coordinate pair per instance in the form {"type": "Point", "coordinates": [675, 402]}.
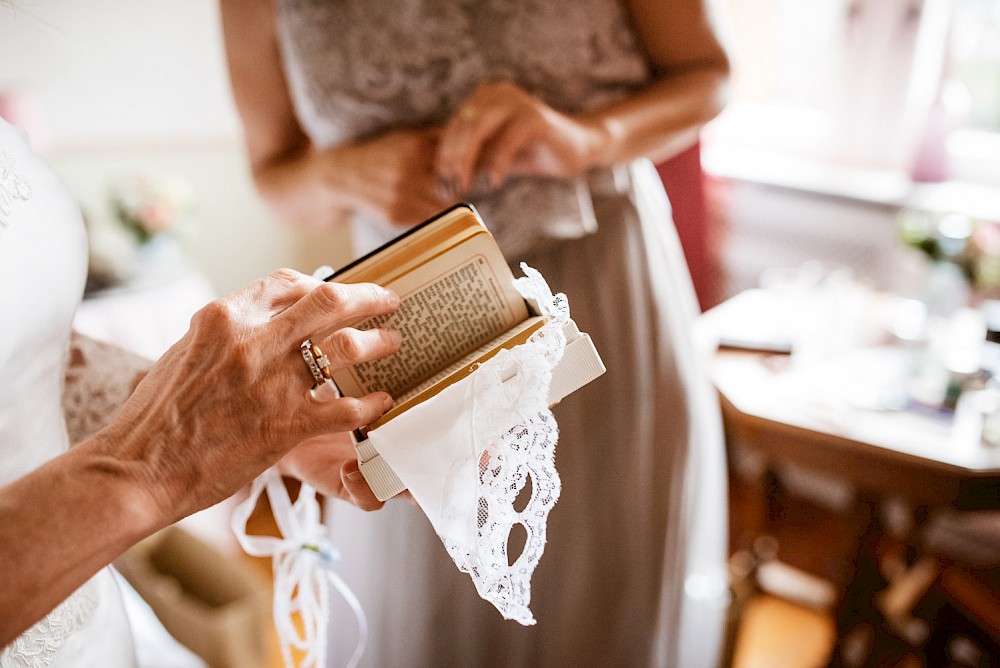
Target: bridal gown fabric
{"type": "Point", "coordinates": [42, 273]}
{"type": "Point", "coordinates": [633, 571]}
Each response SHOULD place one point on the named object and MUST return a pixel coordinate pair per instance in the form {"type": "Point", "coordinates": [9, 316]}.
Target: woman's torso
{"type": "Point", "coordinates": [43, 264]}
{"type": "Point", "coordinates": [357, 68]}
{"type": "Point", "coordinates": [42, 272]}
{"type": "Point", "coordinates": [360, 67]}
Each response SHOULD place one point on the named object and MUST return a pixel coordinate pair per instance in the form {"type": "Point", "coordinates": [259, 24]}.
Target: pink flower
{"type": "Point", "coordinates": [987, 238]}
{"type": "Point", "coordinates": [156, 217]}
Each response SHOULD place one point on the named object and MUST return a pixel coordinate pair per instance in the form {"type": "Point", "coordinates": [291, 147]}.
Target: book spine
{"type": "Point", "coordinates": [381, 478]}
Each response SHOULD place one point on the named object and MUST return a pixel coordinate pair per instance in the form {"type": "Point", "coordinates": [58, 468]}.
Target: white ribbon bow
{"type": "Point", "coordinates": [303, 561]}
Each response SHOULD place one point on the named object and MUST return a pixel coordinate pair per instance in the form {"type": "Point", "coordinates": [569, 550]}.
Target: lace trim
{"type": "Point", "coordinates": [13, 186]}
{"type": "Point", "coordinates": [39, 645]}
{"type": "Point", "coordinates": [515, 441]}
{"type": "Point", "coordinates": [99, 378]}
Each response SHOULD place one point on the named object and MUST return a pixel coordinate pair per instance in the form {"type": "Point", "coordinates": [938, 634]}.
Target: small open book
{"type": "Point", "coordinates": [458, 308]}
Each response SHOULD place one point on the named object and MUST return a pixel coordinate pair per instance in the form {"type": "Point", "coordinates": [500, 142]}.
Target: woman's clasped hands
{"type": "Point", "coordinates": [234, 395]}
{"type": "Point", "coordinates": [501, 130]}
{"type": "Point", "coordinates": [390, 175]}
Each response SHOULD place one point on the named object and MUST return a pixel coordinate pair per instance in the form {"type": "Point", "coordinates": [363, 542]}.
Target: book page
{"type": "Point", "coordinates": [449, 306]}
{"type": "Point", "coordinates": [461, 368]}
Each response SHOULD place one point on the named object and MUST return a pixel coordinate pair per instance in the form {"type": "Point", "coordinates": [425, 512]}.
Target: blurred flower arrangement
{"type": "Point", "coordinates": [152, 204]}
{"type": "Point", "coordinates": [148, 214]}
{"type": "Point", "coordinates": [971, 244]}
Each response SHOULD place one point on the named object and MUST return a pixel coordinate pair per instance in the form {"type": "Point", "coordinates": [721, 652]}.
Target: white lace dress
{"type": "Point", "coordinates": [42, 272]}
{"type": "Point", "coordinates": [633, 572]}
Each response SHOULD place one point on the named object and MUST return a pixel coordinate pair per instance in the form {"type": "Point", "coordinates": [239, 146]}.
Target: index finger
{"type": "Point", "coordinates": [332, 305]}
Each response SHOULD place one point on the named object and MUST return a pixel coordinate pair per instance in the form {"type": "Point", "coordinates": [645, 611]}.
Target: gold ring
{"type": "Point", "coordinates": [316, 361]}
{"type": "Point", "coordinates": [467, 112]}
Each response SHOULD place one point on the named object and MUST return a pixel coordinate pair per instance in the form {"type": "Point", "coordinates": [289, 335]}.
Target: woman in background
{"type": "Point", "coordinates": [539, 114]}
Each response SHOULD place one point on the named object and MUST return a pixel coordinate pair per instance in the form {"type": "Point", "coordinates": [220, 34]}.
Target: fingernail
{"type": "Point", "coordinates": [395, 337]}
{"type": "Point", "coordinates": [391, 296]}
{"type": "Point", "coordinates": [388, 402]}
{"type": "Point", "coordinates": [354, 476]}
{"type": "Point", "coordinates": [323, 271]}
{"type": "Point", "coordinates": [325, 392]}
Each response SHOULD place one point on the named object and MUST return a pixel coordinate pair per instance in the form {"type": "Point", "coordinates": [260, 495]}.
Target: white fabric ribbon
{"type": "Point", "coordinates": [303, 560]}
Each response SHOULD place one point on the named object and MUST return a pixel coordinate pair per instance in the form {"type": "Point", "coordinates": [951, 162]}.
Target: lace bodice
{"type": "Point", "coordinates": [357, 68]}
{"type": "Point", "coordinates": [40, 645]}
{"type": "Point", "coordinates": [99, 378]}
{"type": "Point", "coordinates": [360, 67]}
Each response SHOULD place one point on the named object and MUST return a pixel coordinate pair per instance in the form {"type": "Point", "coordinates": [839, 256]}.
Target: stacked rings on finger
{"type": "Point", "coordinates": [318, 363]}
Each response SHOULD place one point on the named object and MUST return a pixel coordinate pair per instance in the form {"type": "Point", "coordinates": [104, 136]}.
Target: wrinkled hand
{"type": "Point", "coordinates": [330, 464]}
{"type": "Point", "coordinates": [391, 176]}
{"type": "Point", "coordinates": [502, 130]}
{"type": "Point", "coordinates": [233, 396]}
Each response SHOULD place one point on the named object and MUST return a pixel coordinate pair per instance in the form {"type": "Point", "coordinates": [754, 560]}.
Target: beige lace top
{"type": "Point", "coordinates": [357, 68]}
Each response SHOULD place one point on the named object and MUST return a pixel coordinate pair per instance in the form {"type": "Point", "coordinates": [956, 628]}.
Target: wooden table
{"type": "Point", "coordinates": [827, 413]}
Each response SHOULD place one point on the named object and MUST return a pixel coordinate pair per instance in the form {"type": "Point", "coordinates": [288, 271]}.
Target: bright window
{"type": "Point", "coordinates": [861, 84]}
{"type": "Point", "coordinates": [975, 53]}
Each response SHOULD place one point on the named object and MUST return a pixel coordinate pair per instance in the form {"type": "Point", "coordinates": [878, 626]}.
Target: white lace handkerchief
{"type": "Point", "coordinates": [467, 454]}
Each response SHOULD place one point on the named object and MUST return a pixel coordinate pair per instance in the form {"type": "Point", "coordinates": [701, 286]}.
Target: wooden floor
{"type": "Point", "coordinates": [772, 632]}
{"type": "Point", "coordinates": [775, 633]}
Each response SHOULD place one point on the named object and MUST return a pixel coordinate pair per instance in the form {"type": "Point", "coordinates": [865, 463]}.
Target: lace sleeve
{"type": "Point", "coordinates": [99, 378]}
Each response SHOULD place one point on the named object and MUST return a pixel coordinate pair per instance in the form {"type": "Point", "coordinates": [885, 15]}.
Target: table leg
{"type": "Point", "coordinates": [859, 623]}
{"type": "Point", "coordinates": [774, 499]}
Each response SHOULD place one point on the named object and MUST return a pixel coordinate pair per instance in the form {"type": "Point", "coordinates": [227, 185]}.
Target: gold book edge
{"type": "Point", "coordinates": [401, 258]}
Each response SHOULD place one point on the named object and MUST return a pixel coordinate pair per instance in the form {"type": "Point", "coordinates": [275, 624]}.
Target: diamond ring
{"type": "Point", "coordinates": [318, 363]}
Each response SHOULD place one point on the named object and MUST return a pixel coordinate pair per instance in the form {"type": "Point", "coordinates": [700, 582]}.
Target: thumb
{"type": "Point", "coordinates": [357, 488]}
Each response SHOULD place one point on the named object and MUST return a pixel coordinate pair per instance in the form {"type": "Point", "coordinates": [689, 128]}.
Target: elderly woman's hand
{"type": "Point", "coordinates": [501, 129]}
{"type": "Point", "coordinates": [330, 464]}
{"type": "Point", "coordinates": [233, 396]}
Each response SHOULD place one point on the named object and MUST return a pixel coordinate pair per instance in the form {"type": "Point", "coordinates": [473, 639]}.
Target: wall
{"type": "Point", "coordinates": [109, 86]}
{"type": "Point", "coordinates": [769, 226]}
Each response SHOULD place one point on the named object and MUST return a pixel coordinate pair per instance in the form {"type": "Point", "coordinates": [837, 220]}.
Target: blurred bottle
{"type": "Point", "coordinates": [990, 403]}
{"type": "Point", "coordinates": [930, 160]}
{"type": "Point", "coordinates": [991, 346]}
{"type": "Point", "coordinates": [952, 337]}
{"type": "Point", "coordinates": [977, 417]}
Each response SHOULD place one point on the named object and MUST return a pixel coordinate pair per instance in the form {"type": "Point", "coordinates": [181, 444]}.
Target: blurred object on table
{"type": "Point", "coordinates": [839, 428]}
{"type": "Point", "coordinates": [150, 214]}
{"type": "Point", "coordinates": [963, 253]}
